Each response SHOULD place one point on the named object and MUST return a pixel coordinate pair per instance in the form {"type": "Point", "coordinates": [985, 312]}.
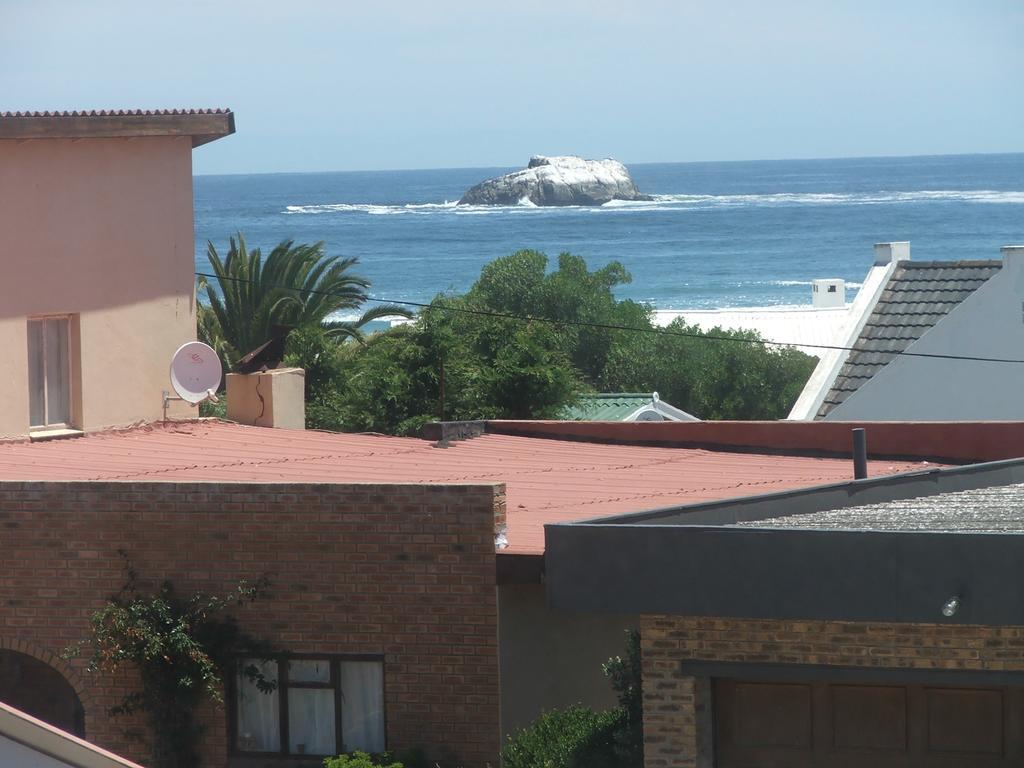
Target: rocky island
{"type": "Point", "coordinates": [558, 181]}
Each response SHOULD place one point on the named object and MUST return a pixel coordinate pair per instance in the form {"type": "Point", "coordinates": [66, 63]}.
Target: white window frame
{"type": "Point", "coordinates": [47, 424]}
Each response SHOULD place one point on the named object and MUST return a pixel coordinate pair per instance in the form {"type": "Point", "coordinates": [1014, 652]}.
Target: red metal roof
{"type": "Point", "coordinates": [546, 480]}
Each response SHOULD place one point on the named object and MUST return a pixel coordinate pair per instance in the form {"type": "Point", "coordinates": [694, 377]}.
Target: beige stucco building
{"type": "Point", "coordinates": [96, 264]}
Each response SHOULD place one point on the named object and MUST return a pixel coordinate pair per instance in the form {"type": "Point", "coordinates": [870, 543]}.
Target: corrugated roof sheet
{"type": "Point", "coordinates": [202, 125]}
{"type": "Point", "coordinates": [114, 112]}
{"type": "Point", "coordinates": [917, 296]}
{"type": "Point", "coordinates": [546, 480]}
{"type": "Point", "coordinates": [606, 406]}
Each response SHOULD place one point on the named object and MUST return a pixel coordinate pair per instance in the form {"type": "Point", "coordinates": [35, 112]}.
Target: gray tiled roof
{"type": "Point", "coordinates": [981, 510]}
{"type": "Point", "coordinates": [917, 296]}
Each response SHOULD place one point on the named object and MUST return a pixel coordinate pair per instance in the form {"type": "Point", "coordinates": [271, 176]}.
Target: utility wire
{"type": "Point", "coordinates": [631, 329]}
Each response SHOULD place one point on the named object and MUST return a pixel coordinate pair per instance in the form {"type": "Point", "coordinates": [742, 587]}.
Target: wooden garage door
{"type": "Point", "coordinates": [839, 725]}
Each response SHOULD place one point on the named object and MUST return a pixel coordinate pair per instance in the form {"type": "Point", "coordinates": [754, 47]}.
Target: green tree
{"type": "Point", "coordinates": [480, 356]}
{"type": "Point", "coordinates": [625, 673]}
{"type": "Point", "coordinates": [296, 286]}
{"type": "Point", "coordinates": [579, 737]}
{"type": "Point", "coordinates": [520, 284]}
{"type": "Point", "coordinates": [714, 374]}
{"type": "Point", "coordinates": [491, 368]}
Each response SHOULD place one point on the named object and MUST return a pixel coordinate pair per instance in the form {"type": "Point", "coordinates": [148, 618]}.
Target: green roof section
{"type": "Point", "coordinates": [613, 406]}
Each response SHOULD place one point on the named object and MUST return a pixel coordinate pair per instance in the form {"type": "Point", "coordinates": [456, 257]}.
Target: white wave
{"type": "Point", "coordinates": [836, 198]}
{"type": "Point", "coordinates": [343, 316]}
{"type": "Point", "coordinates": [682, 202]}
{"type": "Point", "coordinates": [373, 210]}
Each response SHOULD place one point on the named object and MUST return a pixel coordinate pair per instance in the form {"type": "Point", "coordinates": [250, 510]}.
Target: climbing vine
{"type": "Point", "coordinates": [182, 647]}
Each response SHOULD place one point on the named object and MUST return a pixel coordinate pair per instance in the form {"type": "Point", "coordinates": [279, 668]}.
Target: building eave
{"type": "Point", "coordinates": [202, 126]}
{"type": "Point", "coordinates": [694, 561]}
{"type": "Point", "coordinates": [55, 743]}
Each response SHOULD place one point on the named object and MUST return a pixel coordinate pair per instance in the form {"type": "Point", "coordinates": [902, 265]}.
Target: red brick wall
{"type": "Point", "coordinates": [677, 706]}
{"type": "Point", "coordinates": [406, 571]}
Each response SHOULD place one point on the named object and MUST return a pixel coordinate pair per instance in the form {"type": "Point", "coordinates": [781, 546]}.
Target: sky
{"type": "Point", "coordinates": [320, 85]}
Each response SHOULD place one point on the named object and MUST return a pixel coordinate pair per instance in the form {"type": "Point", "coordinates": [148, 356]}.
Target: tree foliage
{"type": "Point", "coordinates": [625, 673]}
{"type": "Point", "coordinates": [480, 356]}
{"type": "Point", "coordinates": [574, 737]}
{"type": "Point", "coordinates": [181, 646]}
{"type": "Point", "coordinates": [297, 286]}
{"type": "Point", "coordinates": [579, 737]}
{"type": "Point", "coordinates": [717, 374]}
{"type": "Point", "coordinates": [360, 759]}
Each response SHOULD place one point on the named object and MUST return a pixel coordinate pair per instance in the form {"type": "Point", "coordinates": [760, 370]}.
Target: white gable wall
{"type": "Point", "coordinates": [830, 361]}
{"type": "Point", "coordinates": [16, 755]}
{"type": "Point", "coordinates": [988, 323]}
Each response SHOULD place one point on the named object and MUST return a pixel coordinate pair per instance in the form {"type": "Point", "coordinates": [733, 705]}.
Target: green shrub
{"type": "Point", "coordinates": [575, 737]}
{"type": "Point", "coordinates": [624, 673]}
{"type": "Point", "coordinates": [361, 760]}
{"type": "Point", "coordinates": [217, 410]}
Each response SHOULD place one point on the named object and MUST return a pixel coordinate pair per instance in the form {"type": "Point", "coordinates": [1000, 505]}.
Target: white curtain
{"type": "Point", "coordinates": [362, 707]}
{"type": "Point", "coordinates": [311, 721]}
{"type": "Point", "coordinates": [309, 671]}
{"type": "Point", "coordinates": [57, 401]}
{"type": "Point", "coordinates": [259, 720]}
{"type": "Point", "coordinates": [36, 374]}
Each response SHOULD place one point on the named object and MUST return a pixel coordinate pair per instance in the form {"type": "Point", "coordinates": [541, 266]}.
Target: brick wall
{"type": "Point", "coordinates": [677, 707]}
{"type": "Point", "coordinates": [406, 571]}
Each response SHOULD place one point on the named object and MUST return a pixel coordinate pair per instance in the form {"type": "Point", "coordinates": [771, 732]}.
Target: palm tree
{"type": "Point", "coordinates": [296, 286]}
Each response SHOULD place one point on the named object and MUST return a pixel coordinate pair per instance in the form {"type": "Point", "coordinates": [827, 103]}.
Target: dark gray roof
{"type": "Point", "coordinates": [981, 510]}
{"type": "Point", "coordinates": [917, 296]}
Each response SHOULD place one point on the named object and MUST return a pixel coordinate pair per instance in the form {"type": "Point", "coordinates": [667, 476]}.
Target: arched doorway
{"type": "Point", "coordinates": [28, 684]}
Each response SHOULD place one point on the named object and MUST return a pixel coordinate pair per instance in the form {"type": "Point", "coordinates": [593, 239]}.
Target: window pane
{"type": "Point", "coordinates": [56, 330]}
{"type": "Point", "coordinates": [309, 671]}
{"type": "Point", "coordinates": [311, 721]}
{"type": "Point", "coordinates": [36, 374]}
{"type": "Point", "coordinates": [362, 705]}
{"type": "Point", "coordinates": [259, 719]}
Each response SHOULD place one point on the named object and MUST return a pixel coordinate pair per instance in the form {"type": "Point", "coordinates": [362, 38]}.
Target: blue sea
{"type": "Point", "coordinates": [718, 234]}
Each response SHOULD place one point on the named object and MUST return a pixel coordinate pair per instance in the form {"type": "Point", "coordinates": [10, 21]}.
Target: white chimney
{"type": "Point", "coordinates": [886, 253]}
{"type": "Point", "coordinates": [828, 292]}
{"type": "Point", "coordinates": [274, 398]}
{"type": "Point", "coordinates": [1012, 253]}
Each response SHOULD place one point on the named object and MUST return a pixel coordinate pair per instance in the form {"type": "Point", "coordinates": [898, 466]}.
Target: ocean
{"type": "Point", "coordinates": [718, 234]}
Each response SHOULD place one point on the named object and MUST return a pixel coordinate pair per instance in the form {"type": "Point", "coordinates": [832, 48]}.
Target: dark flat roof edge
{"type": "Point", "coordinates": [784, 573]}
{"type": "Point", "coordinates": [203, 126]}
{"type": "Point", "coordinates": [939, 441]}
{"type": "Point", "coordinates": [795, 672]}
{"type": "Point", "coordinates": [821, 498]}
{"type": "Point", "coordinates": [700, 445]}
{"type": "Point", "coordinates": [517, 568]}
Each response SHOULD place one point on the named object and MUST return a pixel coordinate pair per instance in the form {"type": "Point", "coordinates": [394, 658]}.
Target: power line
{"type": "Point", "coordinates": [627, 328]}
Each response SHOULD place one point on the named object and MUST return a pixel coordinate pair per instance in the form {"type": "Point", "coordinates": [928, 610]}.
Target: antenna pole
{"type": "Point", "coordinates": [441, 364]}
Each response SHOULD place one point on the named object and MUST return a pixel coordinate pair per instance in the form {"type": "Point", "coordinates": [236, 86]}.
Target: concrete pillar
{"type": "Point", "coordinates": [275, 398]}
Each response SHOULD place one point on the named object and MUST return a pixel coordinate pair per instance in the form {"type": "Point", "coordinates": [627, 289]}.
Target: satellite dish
{"type": "Point", "coordinates": [195, 372]}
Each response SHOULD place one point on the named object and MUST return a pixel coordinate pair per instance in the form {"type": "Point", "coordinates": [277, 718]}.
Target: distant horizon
{"type": "Point", "coordinates": [461, 84]}
{"type": "Point", "coordinates": [627, 163]}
